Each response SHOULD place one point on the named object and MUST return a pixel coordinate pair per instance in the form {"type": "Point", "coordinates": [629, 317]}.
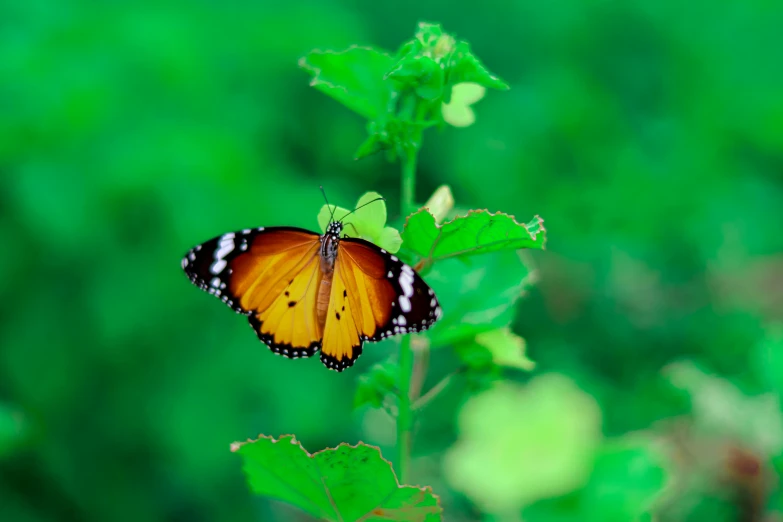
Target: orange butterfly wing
{"type": "Point", "coordinates": [272, 275]}
{"type": "Point", "coordinates": [374, 296]}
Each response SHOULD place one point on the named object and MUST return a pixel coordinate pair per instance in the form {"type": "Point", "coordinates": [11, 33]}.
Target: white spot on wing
{"type": "Point", "coordinates": [405, 304]}
{"type": "Point", "coordinates": [226, 246]}
{"type": "Point", "coordinates": [401, 320]}
{"type": "Point", "coordinates": [406, 280]}
{"type": "Point", "coordinates": [215, 282]}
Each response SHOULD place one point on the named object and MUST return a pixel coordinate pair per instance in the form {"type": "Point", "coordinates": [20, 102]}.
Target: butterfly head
{"type": "Point", "coordinates": [334, 229]}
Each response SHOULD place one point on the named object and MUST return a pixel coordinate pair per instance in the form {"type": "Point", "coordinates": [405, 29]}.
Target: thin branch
{"type": "Point", "coordinates": [436, 390]}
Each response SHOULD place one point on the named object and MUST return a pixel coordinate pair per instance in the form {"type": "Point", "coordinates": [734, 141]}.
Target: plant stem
{"type": "Point", "coordinates": [404, 415]}
{"type": "Point", "coordinates": [408, 158]}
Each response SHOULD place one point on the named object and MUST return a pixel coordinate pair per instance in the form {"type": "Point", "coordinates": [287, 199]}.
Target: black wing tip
{"type": "Point", "coordinates": [283, 349]}
{"type": "Point", "coordinates": [340, 365]}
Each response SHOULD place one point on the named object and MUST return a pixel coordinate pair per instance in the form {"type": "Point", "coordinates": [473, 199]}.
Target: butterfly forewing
{"type": "Point", "coordinates": [270, 274]}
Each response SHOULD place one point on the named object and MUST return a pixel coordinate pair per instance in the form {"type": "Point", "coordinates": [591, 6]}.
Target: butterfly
{"type": "Point", "coordinates": [303, 292]}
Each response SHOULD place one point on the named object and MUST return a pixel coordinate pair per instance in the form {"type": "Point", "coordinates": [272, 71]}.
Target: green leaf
{"type": "Point", "coordinates": [458, 112]}
{"type": "Point", "coordinates": [506, 348]}
{"type": "Point", "coordinates": [354, 77]}
{"type": "Point", "coordinates": [367, 222]}
{"type": "Point", "coordinates": [476, 300]}
{"type": "Point", "coordinates": [421, 73]}
{"type": "Point", "coordinates": [478, 232]}
{"type": "Point", "coordinates": [392, 134]}
{"type": "Point", "coordinates": [463, 66]}
{"type": "Point", "coordinates": [518, 444]}
{"type": "Point", "coordinates": [441, 203]}
{"type": "Point", "coordinates": [340, 484]}
{"type": "Point", "coordinates": [627, 478]}
{"type": "Point", "coordinates": [376, 384]}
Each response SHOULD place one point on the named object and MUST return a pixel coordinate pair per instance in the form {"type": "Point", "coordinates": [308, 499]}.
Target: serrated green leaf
{"type": "Point", "coordinates": [354, 77]}
{"type": "Point", "coordinates": [478, 232]}
{"type": "Point", "coordinates": [340, 484]}
{"type": "Point", "coordinates": [478, 299]}
{"type": "Point", "coordinates": [463, 66]}
{"type": "Point", "coordinates": [373, 386]}
{"type": "Point", "coordinates": [366, 222]}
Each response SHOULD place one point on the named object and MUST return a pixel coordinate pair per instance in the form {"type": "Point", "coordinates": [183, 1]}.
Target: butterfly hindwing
{"type": "Point", "coordinates": [272, 275]}
{"type": "Point", "coordinates": [374, 296]}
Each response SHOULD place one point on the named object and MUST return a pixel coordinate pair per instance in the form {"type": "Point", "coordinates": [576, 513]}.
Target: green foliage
{"type": "Point", "coordinates": [479, 232]}
{"type": "Point", "coordinates": [133, 130]}
{"type": "Point", "coordinates": [353, 77]}
{"type": "Point", "coordinates": [434, 61]}
{"type": "Point", "coordinates": [13, 429]}
{"type": "Point", "coordinates": [506, 348]}
{"type": "Point", "coordinates": [518, 445]}
{"type": "Point", "coordinates": [344, 483]}
{"type": "Point", "coordinates": [401, 96]}
{"type": "Point", "coordinates": [627, 479]}
{"type": "Point", "coordinates": [373, 386]}
{"type": "Point", "coordinates": [367, 221]}
{"type": "Point", "coordinates": [458, 111]}
{"type": "Point", "coordinates": [478, 299]}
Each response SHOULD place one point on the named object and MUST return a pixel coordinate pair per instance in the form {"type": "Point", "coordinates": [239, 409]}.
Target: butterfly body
{"type": "Point", "coordinates": [304, 292]}
{"type": "Point", "coordinates": [330, 242]}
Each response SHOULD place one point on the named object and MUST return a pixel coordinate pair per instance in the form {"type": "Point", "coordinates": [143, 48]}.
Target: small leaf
{"type": "Point", "coordinates": [390, 239]}
{"type": "Point", "coordinates": [440, 203]}
{"type": "Point", "coordinates": [375, 143]}
{"type": "Point", "coordinates": [478, 232]}
{"type": "Point", "coordinates": [354, 77]}
{"type": "Point", "coordinates": [392, 134]}
{"type": "Point", "coordinates": [376, 384]}
{"type": "Point", "coordinates": [430, 35]}
{"type": "Point", "coordinates": [366, 223]}
{"type": "Point", "coordinates": [463, 66]}
{"type": "Point", "coordinates": [340, 484]}
{"type": "Point", "coordinates": [458, 111]}
{"type": "Point", "coordinates": [506, 348]}
{"type": "Point", "coordinates": [420, 73]}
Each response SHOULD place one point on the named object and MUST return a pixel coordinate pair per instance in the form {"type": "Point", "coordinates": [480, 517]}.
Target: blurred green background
{"type": "Point", "coordinates": [648, 135]}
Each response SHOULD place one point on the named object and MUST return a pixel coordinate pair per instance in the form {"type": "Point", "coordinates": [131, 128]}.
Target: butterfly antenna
{"type": "Point", "coordinates": [360, 206]}
{"type": "Point", "coordinates": [327, 204]}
